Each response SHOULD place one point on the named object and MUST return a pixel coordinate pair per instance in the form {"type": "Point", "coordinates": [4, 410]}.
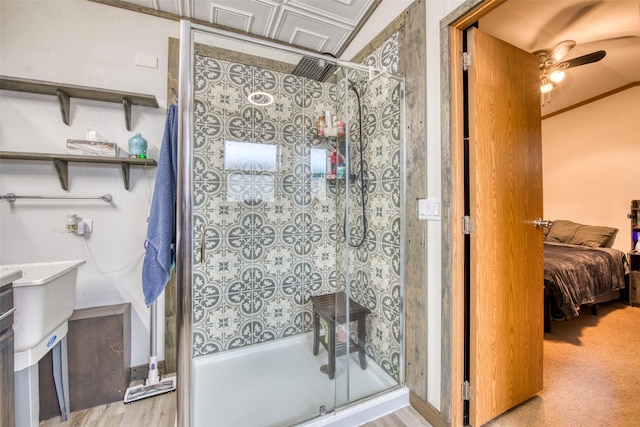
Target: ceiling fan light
{"type": "Point", "coordinates": [546, 86]}
{"type": "Point", "coordinates": [556, 76]}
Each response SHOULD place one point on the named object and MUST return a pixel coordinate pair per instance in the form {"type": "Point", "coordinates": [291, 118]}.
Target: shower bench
{"type": "Point", "coordinates": [331, 309]}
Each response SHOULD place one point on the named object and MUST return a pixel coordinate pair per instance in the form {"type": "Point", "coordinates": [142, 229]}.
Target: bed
{"type": "Point", "coordinates": [579, 269]}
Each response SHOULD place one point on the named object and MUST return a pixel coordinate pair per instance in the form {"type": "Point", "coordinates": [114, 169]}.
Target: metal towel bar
{"type": "Point", "coordinates": [10, 197]}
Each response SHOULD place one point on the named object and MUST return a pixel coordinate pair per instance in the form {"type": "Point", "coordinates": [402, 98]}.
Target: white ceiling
{"type": "Point", "coordinates": [320, 25]}
{"type": "Point", "coordinates": [612, 26]}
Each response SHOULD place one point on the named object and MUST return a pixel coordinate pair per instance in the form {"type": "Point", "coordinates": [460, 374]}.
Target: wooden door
{"type": "Point", "coordinates": [505, 248]}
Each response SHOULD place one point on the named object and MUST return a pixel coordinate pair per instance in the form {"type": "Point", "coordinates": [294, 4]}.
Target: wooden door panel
{"type": "Point", "coordinates": [506, 250]}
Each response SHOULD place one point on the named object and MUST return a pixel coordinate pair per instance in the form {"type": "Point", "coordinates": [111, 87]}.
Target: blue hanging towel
{"type": "Point", "coordinates": [159, 258]}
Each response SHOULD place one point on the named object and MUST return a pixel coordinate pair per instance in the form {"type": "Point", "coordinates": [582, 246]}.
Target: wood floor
{"type": "Point", "coordinates": [160, 411]}
{"type": "Point", "coordinates": [404, 417]}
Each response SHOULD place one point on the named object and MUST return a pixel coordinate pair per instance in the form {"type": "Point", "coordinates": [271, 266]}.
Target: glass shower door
{"type": "Point", "coordinates": [275, 223]}
{"type": "Point", "coordinates": [370, 247]}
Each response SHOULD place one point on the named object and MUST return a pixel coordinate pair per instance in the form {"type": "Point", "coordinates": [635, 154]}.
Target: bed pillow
{"type": "Point", "coordinates": [572, 233]}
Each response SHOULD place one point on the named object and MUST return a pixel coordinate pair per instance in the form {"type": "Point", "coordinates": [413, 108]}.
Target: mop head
{"type": "Point", "coordinates": [144, 391]}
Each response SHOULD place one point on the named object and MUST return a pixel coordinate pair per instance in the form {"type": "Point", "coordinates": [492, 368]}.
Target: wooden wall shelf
{"type": "Point", "coordinates": [61, 163]}
{"type": "Point", "coordinates": [64, 92]}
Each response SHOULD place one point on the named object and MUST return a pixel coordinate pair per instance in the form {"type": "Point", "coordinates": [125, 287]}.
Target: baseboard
{"type": "Point", "coordinates": [427, 411]}
{"type": "Point", "coordinates": [141, 372]}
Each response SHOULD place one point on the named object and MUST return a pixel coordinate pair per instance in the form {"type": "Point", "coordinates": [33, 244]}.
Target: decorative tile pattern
{"type": "Point", "coordinates": [270, 242]}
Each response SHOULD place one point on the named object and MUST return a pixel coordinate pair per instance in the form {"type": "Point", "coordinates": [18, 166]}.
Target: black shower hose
{"type": "Point", "coordinates": [362, 187]}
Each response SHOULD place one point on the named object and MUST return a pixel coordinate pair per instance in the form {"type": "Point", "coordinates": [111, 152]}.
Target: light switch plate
{"type": "Point", "coordinates": [429, 209]}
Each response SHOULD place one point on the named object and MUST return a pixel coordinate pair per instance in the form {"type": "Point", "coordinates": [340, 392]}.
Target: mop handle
{"type": "Point", "coordinates": [153, 346]}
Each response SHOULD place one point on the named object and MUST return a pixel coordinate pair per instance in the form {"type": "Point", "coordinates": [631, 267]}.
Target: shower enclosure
{"type": "Point", "coordinates": [291, 186]}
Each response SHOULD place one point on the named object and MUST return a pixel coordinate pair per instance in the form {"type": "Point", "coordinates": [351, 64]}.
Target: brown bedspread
{"type": "Point", "coordinates": [576, 275]}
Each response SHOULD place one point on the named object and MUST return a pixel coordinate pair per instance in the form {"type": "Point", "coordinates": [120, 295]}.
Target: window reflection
{"type": "Point", "coordinates": [250, 156]}
{"type": "Point", "coordinates": [249, 181]}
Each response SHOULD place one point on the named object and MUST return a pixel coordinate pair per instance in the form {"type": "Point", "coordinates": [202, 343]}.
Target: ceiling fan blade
{"type": "Point", "coordinates": [559, 52]}
{"type": "Point", "coordinates": [570, 14]}
{"type": "Point", "coordinates": [582, 60]}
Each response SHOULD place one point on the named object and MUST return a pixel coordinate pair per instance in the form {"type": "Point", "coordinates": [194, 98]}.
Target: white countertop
{"type": "Point", "coordinates": [9, 275]}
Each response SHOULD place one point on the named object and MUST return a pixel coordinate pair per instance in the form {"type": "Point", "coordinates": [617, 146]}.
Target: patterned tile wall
{"type": "Point", "coordinates": [271, 233]}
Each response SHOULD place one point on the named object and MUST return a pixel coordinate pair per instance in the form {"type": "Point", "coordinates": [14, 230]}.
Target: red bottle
{"type": "Point", "coordinates": [336, 158]}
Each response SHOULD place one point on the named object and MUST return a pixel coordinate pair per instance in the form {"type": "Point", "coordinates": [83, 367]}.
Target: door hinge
{"type": "Point", "coordinates": [467, 391]}
{"type": "Point", "coordinates": [466, 61]}
{"type": "Point", "coordinates": [467, 224]}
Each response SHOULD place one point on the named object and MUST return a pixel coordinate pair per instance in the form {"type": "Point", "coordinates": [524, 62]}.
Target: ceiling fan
{"type": "Point", "coordinates": [552, 70]}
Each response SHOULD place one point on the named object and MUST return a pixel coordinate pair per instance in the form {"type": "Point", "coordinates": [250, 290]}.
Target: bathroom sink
{"type": "Point", "coordinates": [43, 298]}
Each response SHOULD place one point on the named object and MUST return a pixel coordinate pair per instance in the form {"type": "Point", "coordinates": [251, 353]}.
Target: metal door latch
{"type": "Point", "coordinates": [538, 222]}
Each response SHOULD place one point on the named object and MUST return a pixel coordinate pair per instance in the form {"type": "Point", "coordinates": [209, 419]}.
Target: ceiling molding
{"type": "Point", "coordinates": [594, 99]}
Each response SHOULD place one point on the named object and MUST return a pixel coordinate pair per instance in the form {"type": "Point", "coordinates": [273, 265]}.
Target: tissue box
{"type": "Point", "coordinates": [94, 148]}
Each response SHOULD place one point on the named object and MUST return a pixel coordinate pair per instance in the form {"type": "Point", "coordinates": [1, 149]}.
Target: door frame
{"type": "Point", "coordinates": [453, 188]}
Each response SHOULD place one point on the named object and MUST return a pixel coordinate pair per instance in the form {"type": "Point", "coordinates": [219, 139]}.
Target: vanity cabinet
{"type": "Point", "coordinates": [7, 405]}
{"type": "Point", "coordinates": [7, 408]}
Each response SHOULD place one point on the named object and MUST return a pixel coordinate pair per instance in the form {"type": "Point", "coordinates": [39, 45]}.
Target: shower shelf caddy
{"type": "Point", "coordinates": [332, 141]}
{"type": "Point", "coordinates": [65, 92]}
{"type": "Point", "coordinates": [61, 163]}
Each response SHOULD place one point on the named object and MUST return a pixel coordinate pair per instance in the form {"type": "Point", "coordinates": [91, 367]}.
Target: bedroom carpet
{"type": "Point", "coordinates": [591, 373]}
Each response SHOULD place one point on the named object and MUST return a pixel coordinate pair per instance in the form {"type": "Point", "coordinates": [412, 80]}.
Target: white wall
{"type": "Point", "coordinates": [87, 44]}
{"type": "Point", "coordinates": [591, 163]}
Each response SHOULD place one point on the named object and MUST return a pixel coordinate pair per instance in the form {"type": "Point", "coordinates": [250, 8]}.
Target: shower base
{"type": "Point", "coordinates": [281, 384]}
